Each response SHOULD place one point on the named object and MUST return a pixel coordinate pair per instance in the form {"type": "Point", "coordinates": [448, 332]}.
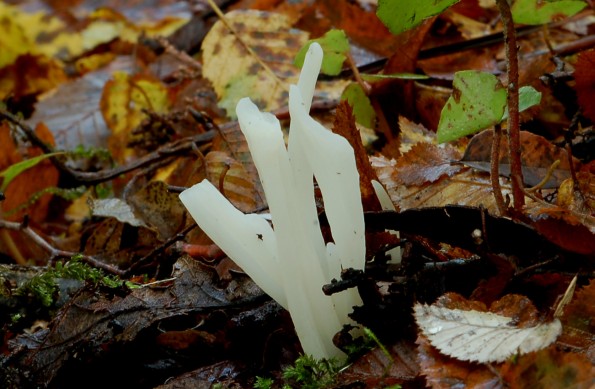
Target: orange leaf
{"type": "Point", "coordinates": [344, 125]}
{"type": "Point", "coordinates": [30, 181]}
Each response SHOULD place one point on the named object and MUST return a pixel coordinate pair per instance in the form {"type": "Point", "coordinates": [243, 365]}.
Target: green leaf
{"type": "Point", "coordinates": [477, 102]}
{"type": "Point", "coordinates": [12, 171]}
{"type": "Point", "coordinates": [542, 12]}
{"type": "Point", "coordinates": [335, 47]}
{"type": "Point", "coordinates": [402, 15]}
{"type": "Point", "coordinates": [528, 97]}
{"type": "Point", "coordinates": [360, 103]}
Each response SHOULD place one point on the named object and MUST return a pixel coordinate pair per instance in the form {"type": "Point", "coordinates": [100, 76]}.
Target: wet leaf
{"type": "Point", "coordinates": [536, 12]}
{"type": "Point", "coordinates": [402, 16]}
{"type": "Point", "coordinates": [549, 368]}
{"type": "Point", "coordinates": [376, 370]}
{"type": "Point", "coordinates": [482, 336]}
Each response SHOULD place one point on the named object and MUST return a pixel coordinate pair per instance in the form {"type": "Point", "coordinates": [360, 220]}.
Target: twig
{"type": "Point", "coordinates": [54, 252]}
{"type": "Point", "coordinates": [90, 178]}
{"type": "Point", "coordinates": [494, 170]}
{"type": "Point", "coordinates": [161, 248]}
{"type": "Point", "coordinates": [512, 69]}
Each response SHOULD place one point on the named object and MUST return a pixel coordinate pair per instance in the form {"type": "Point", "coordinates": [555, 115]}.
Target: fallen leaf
{"type": "Point", "coordinates": [443, 372]}
{"type": "Point", "coordinates": [344, 125]}
{"type": "Point", "coordinates": [584, 75]}
{"type": "Point", "coordinates": [376, 369]}
{"type": "Point", "coordinates": [549, 368]}
{"type": "Point", "coordinates": [116, 208]}
{"type": "Point", "coordinates": [537, 156]}
{"type": "Point", "coordinates": [231, 178]}
{"type": "Point", "coordinates": [426, 163]}
{"type": "Point", "coordinates": [235, 73]}
{"type": "Point", "coordinates": [481, 336]}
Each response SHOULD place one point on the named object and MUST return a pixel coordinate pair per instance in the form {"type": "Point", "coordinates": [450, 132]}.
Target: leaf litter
{"type": "Point", "coordinates": [200, 319]}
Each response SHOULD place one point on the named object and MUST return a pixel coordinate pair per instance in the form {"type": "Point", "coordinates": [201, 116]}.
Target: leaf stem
{"type": "Point", "coordinates": [512, 70]}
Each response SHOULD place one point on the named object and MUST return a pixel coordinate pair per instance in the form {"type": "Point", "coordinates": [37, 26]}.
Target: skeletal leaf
{"type": "Point", "coordinates": [481, 336]}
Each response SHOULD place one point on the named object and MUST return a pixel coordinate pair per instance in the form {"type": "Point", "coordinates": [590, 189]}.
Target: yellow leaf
{"type": "Point", "coordinates": [122, 103]}
{"type": "Point", "coordinates": [235, 73]}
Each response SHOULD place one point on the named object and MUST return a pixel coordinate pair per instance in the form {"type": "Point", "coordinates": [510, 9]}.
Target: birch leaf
{"type": "Point", "coordinates": [481, 336]}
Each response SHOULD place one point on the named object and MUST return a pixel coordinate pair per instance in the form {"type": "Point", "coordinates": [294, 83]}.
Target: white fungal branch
{"type": "Point", "coordinates": [290, 261]}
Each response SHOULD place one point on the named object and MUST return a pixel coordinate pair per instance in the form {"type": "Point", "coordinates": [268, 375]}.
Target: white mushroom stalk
{"type": "Point", "coordinates": [290, 261]}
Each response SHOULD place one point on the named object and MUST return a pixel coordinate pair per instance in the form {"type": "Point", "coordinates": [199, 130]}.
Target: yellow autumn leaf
{"type": "Point", "coordinates": [122, 103]}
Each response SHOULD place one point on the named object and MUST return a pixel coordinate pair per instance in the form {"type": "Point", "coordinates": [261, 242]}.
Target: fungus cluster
{"type": "Point", "coordinates": [290, 260]}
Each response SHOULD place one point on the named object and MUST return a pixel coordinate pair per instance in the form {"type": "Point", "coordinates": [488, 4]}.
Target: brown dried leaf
{"type": "Point", "coordinates": [445, 373]}
{"type": "Point", "coordinates": [376, 370]}
{"type": "Point", "coordinates": [231, 141]}
{"type": "Point", "coordinates": [549, 368]}
{"type": "Point", "coordinates": [231, 178]}
{"type": "Point", "coordinates": [537, 155]}
{"type": "Point", "coordinates": [465, 188]}
{"type": "Point", "coordinates": [584, 74]}
{"type": "Point", "coordinates": [159, 208]}
{"type": "Point", "coordinates": [571, 231]}
{"type": "Point", "coordinates": [344, 125]}
{"type": "Point", "coordinates": [425, 163]}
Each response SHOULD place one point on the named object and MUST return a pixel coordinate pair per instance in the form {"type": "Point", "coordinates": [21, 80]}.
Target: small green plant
{"type": "Point", "coordinates": [44, 287]}
{"type": "Point", "coordinates": [311, 373]}
{"type": "Point", "coordinates": [263, 383]}
{"type": "Point", "coordinates": [307, 373]}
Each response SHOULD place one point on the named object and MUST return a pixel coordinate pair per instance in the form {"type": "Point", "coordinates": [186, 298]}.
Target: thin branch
{"type": "Point", "coordinates": [55, 253]}
{"type": "Point", "coordinates": [494, 170]}
{"type": "Point", "coordinates": [512, 69]}
{"type": "Point", "coordinates": [90, 178]}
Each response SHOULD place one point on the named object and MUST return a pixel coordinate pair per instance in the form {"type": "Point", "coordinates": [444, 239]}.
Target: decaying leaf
{"type": "Point", "coordinates": [426, 163]}
{"type": "Point", "coordinates": [537, 156]}
{"type": "Point", "coordinates": [231, 177]}
{"type": "Point", "coordinates": [465, 188]}
{"type": "Point", "coordinates": [116, 208]}
{"type": "Point", "coordinates": [481, 336]}
{"type": "Point", "coordinates": [584, 75]}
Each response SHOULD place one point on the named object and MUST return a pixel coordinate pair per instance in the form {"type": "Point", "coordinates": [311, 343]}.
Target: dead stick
{"type": "Point", "coordinates": [494, 170]}
{"type": "Point", "coordinates": [90, 178]}
{"type": "Point", "coordinates": [512, 70]}
{"type": "Point", "coordinates": [54, 252]}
